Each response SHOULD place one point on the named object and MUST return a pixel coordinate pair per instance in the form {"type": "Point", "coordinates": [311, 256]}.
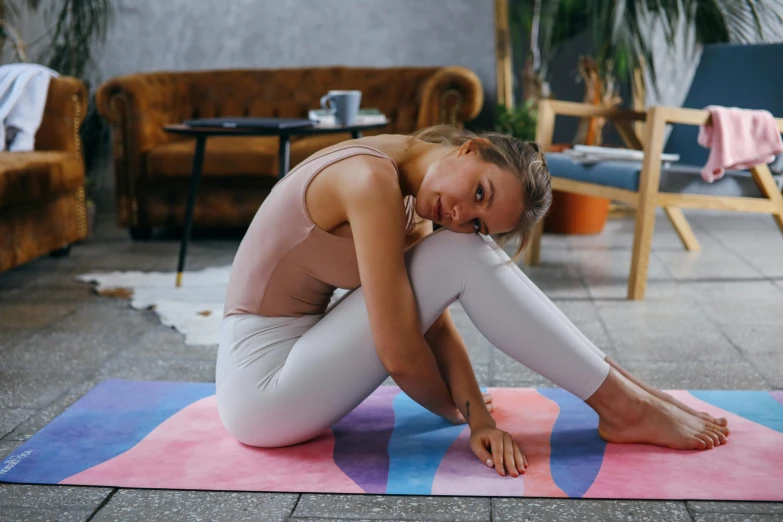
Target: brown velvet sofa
{"type": "Point", "coordinates": [42, 201]}
{"type": "Point", "coordinates": [152, 167]}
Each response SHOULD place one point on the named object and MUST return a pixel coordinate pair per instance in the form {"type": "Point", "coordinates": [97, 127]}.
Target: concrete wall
{"type": "Point", "coordinates": [187, 34]}
{"type": "Point", "coordinates": [149, 35]}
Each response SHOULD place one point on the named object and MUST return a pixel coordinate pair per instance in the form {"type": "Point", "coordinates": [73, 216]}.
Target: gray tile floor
{"type": "Point", "coordinates": [711, 320]}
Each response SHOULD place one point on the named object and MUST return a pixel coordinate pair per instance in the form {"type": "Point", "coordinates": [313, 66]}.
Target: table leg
{"type": "Point", "coordinates": [283, 157]}
{"type": "Point", "coordinates": [195, 177]}
{"type": "Point", "coordinates": [356, 134]}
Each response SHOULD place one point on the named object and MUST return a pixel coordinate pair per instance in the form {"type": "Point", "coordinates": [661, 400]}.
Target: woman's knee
{"type": "Point", "coordinates": [245, 425]}
{"type": "Point", "coordinates": [259, 423]}
{"type": "Point", "coordinates": [263, 437]}
{"type": "Point", "coordinates": [241, 416]}
{"type": "Point", "coordinates": [446, 248]}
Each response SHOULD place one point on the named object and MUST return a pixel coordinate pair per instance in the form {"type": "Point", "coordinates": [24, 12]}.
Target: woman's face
{"type": "Point", "coordinates": [466, 194]}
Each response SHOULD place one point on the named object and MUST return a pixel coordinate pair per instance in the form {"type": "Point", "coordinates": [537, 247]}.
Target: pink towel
{"type": "Point", "coordinates": [738, 139]}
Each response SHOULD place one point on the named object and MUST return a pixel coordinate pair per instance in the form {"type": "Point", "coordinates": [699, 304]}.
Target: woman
{"type": "Point", "coordinates": [287, 369]}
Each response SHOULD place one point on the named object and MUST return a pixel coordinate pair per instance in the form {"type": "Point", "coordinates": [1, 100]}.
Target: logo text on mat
{"type": "Point", "coordinates": [12, 461]}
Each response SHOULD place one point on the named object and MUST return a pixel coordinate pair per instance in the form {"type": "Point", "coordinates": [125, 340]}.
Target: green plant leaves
{"type": "Point", "coordinates": [519, 121]}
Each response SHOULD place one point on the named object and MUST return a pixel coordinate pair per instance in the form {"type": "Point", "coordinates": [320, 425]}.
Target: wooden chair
{"type": "Point", "coordinates": [746, 76]}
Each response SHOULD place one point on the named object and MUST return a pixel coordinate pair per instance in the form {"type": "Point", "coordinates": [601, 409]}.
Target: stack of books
{"type": "Point", "coordinates": [364, 117]}
{"type": "Point", "coordinates": [591, 154]}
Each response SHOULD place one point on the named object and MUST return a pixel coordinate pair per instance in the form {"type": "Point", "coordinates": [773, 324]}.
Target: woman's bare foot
{"type": "Point", "coordinates": [722, 422]}
{"type": "Point", "coordinates": [662, 424]}
{"type": "Point", "coordinates": [668, 398]}
{"type": "Point", "coordinates": [629, 414]}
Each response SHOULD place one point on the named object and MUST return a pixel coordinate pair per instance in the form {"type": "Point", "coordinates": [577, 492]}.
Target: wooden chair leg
{"type": "Point", "coordinates": [533, 252]}
{"type": "Point", "coordinates": [642, 247]}
{"type": "Point", "coordinates": [763, 178]}
{"type": "Point", "coordinates": [645, 206]}
{"type": "Point", "coordinates": [683, 229]}
{"type": "Point", "coordinates": [779, 216]}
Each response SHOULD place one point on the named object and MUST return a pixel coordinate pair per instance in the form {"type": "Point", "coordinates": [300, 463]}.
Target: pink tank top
{"type": "Point", "coordinates": [286, 266]}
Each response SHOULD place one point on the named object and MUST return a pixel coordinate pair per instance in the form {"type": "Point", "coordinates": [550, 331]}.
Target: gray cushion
{"type": "Point", "coordinates": [620, 174]}
{"type": "Point", "coordinates": [678, 178]}
{"type": "Point", "coordinates": [686, 179]}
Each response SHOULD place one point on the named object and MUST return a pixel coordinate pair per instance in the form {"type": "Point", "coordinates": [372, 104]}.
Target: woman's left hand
{"type": "Point", "coordinates": [505, 453]}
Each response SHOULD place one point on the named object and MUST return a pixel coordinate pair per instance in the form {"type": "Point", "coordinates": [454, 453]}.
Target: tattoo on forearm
{"type": "Point", "coordinates": [467, 407]}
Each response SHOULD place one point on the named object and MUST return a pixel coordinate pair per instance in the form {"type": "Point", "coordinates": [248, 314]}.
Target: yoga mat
{"type": "Point", "coordinates": [167, 435]}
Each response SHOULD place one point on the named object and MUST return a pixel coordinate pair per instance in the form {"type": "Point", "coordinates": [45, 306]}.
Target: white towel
{"type": "Point", "coordinates": [23, 91]}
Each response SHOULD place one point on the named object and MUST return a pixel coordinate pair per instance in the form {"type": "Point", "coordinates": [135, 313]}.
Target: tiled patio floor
{"type": "Point", "coordinates": [713, 319]}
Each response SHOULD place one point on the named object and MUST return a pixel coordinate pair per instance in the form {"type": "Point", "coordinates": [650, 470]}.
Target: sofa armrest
{"type": "Point", "coordinates": [137, 107]}
{"type": "Point", "coordinates": [64, 112]}
{"type": "Point", "coordinates": [452, 95]}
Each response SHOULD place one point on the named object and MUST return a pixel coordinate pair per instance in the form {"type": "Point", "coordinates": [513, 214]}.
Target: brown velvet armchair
{"type": "Point", "coordinates": [42, 201]}
{"type": "Point", "coordinates": [152, 167]}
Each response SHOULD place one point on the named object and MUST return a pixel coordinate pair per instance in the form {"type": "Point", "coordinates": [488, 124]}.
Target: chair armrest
{"type": "Point", "coordinates": [452, 95]}
{"type": "Point", "coordinates": [694, 116]}
{"type": "Point", "coordinates": [64, 112]}
{"type": "Point", "coordinates": [585, 110]}
{"type": "Point", "coordinates": [622, 118]}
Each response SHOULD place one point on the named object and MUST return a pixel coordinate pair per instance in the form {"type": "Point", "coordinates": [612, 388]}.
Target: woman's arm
{"type": "Point", "coordinates": [452, 356]}
{"type": "Point", "coordinates": [492, 446]}
{"type": "Point", "coordinates": [369, 193]}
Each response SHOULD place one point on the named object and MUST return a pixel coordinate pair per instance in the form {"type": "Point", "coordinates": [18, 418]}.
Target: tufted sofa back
{"type": "Point", "coordinates": [161, 98]}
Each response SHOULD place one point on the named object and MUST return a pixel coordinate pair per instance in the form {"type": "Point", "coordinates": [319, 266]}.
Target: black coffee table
{"type": "Point", "coordinates": [284, 158]}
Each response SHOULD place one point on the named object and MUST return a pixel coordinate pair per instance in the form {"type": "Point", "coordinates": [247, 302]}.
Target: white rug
{"type": "Point", "coordinates": [195, 309]}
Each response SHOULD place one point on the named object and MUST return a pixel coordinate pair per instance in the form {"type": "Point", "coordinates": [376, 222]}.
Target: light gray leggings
{"type": "Point", "coordinates": [282, 381]}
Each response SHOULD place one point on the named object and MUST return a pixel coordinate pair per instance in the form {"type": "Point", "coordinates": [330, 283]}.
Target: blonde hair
{"type": "Point", "coordinates": [523, 159]}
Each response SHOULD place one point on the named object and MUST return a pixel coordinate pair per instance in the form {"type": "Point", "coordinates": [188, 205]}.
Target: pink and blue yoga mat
{"type": "Point", "coordinates": [167, 435]}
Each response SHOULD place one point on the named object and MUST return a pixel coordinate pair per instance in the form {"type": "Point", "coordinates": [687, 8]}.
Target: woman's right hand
{"type": "Point", "coordinates": [496, 448]}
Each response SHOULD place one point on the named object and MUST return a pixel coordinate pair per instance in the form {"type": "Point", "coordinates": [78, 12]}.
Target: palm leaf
{"type": "Point", "coordinates": [560, 21]}
{"type": "Point", "coordinates": [623, 35]}
{"type": "Point", "coordinates": [76, 25]}
{"type": "Point", "coordinates": [623, 29]}
{"type": "Point", "coordinates": [79, 24]}
{"type": "Point", "coordinates": [11, 10]}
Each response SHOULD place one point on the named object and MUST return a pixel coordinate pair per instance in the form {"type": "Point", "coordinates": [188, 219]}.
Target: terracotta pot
{"type": "Point", "coordinates": [574, 213]}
